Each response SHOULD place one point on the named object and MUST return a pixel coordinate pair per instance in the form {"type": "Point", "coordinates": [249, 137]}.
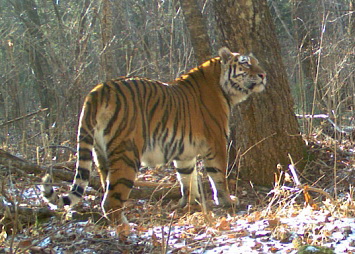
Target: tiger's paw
{"type": "Point", "coordinates": [114, 215]}
{"type": "Point", "coordinates": [225, 201]}
{"type": "Point", "coordinates": [186, 202]}
{"type": "Point", "coordinates": [229, 203]}
{"type": "Point", "coordinates": [182, 202]}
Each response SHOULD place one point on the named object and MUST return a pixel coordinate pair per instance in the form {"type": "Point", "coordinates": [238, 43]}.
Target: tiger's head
{"type": "Point", "coordinates": [241, 75]}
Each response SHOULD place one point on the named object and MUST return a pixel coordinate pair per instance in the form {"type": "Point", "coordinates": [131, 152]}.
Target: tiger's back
{"type": "Point", "coordinates": [129, 122]}
{"type": "Point", "coordinates": [160, 119]}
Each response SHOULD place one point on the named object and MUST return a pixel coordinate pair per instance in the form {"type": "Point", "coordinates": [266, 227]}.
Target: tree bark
{"type": "Point", "coordinates": [197, 28]}
{"type": "Point", "coordinates": [266, 129]}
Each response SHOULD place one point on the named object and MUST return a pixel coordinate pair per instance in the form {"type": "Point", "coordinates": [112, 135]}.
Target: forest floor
{"type": "Point", "coordinates": [291, 217]}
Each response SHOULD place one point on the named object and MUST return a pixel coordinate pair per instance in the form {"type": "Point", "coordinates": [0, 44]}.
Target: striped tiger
{"type": "Point", "coordinates": [132, 122]}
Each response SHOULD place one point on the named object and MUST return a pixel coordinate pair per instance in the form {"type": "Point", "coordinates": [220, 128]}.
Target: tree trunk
{"type": "Point", "coordinates": [107, 57]}
{"type": "Point", "coordinates": [197, 28]}
{"type": "Point", "coordinates": [36, 46]}
{"type": "Point", "coordinates": [266, 129]}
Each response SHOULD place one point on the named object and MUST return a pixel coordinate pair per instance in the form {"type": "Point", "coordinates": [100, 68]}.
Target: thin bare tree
{"type": "Point", "coordinates": [107, 56]}
{"type": "Point", "coordinates": [197, 28]}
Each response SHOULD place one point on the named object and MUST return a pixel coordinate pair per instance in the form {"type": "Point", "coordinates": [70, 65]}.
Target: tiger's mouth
{"type": "Point", "coordinates": [236, 86]}
{"type": "Point", "coordinates": [256, 87]}
{"type": "Point", "coordinates": [252, 85]}
{"type": "Point", "coordinates": [255, 84]}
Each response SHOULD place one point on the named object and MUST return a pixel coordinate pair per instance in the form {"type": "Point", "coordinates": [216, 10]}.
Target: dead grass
{"type": "Point", "coordinates": [300, 210]}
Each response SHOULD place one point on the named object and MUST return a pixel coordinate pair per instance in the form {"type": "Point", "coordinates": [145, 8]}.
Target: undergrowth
{"type": "Point", "coordinates": [302, 211]}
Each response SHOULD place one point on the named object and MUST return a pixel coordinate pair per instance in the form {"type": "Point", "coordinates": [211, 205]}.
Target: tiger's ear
{"type": "Point", "coordinates": [244, 60]}
{"type": "Point", "coordinates": [225, 54]}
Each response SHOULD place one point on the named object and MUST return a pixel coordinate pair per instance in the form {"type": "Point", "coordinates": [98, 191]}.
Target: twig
{"type": "Point", "coordinates": [206, 245]}
{"type": "Point", "coordinates": [257, 143]}
{"type": "Point", "coordinates": [138, 183]}
{"type": "Point", "coordinates": [203, 198]}
{"type": "Point", "coordinates": [40, 239]}
{"type": "Point", "coordinates": [306, 188]}
{"type": "Point", "coordinates": [22, 117]}
{"type": "Point", "coordinates": [59, 146]}
{"type": "Point", "coordinates": [294, 174]}
{"type": "Point", "coordinates": [281, 20]}
{"type": "Point", "coordinates": [324, 116]}
{"type": "Point", "coordinates": [169, 232]}
{"type": "Point", "coordinates": [12, 215]}
{"type": "Point", "coordinates": [163, 246]}
{"type": "Point", "coordinates": [345, 130]}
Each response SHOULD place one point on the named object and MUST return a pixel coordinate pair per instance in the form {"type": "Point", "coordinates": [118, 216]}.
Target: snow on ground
{"type": "Point", "coordinates": [281, 232]}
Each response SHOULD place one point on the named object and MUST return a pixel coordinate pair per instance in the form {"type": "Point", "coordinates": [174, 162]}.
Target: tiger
{"type": "Point", "coordinates": [131, 122]}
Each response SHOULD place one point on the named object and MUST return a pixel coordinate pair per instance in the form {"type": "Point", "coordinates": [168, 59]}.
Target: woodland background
{"type": "Point", "coordinates": [54, 52]}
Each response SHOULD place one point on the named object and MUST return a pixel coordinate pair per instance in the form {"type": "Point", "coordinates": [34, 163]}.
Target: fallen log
{"type": "Point", "coordinates": [11, 161]}
{"type": "Point", "coordinates": [65, 172]}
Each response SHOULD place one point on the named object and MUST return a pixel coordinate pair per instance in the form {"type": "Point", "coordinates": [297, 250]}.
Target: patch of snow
{"type": "Point", "coordinates": [45, 242]}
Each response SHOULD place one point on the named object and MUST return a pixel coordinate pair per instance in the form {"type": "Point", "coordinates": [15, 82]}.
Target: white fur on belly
{"type": "Point", "coordinates": [153, 157]}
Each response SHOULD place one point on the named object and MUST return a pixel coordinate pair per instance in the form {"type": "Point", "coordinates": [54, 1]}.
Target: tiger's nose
{"type": "Point", "coordinates": [262, 75]}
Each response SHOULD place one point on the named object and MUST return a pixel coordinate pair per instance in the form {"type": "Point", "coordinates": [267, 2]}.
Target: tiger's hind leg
{"type": "Point", "coordinates": [102, 165]}
{"type": "Point", "coordinates": [187, 176]}
{"type": "Point", "coordinates": [123, 166]}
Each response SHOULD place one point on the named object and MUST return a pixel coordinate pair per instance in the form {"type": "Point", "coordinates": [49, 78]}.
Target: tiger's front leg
{"type": "Point", "coordinates": [218, 183]}
{"type": "Point", "coordinates": [187, 176]}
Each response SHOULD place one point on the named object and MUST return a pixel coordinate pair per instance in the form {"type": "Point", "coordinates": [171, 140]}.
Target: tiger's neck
{"type": "Point", "coordinates": [209, 71]}
{"type": "Point", "coordinates": [205, 80]}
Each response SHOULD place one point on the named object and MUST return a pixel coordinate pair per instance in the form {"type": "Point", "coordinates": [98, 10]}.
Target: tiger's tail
{"type": "Point", "coordinates": [83, 164]}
